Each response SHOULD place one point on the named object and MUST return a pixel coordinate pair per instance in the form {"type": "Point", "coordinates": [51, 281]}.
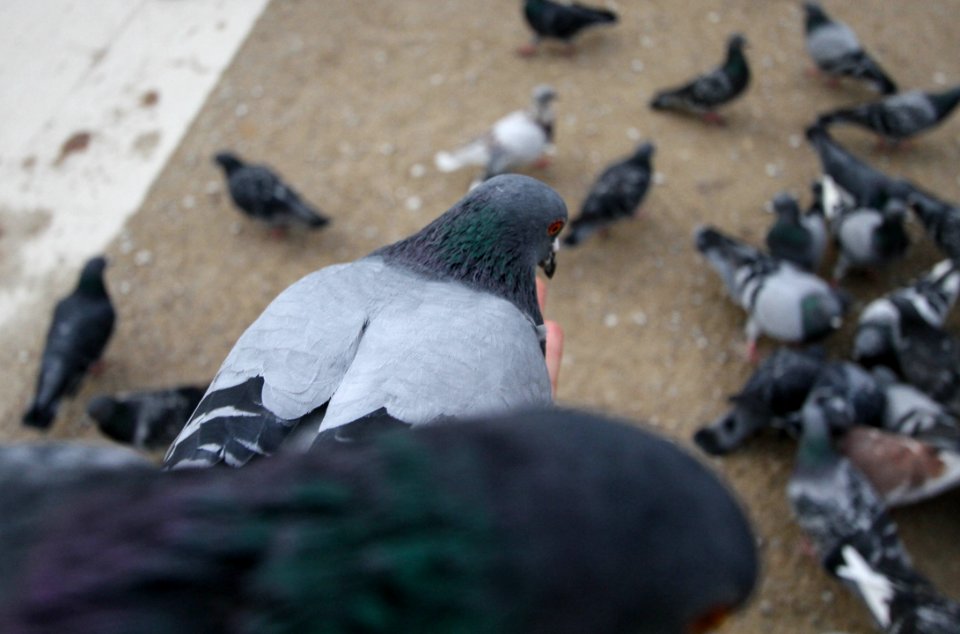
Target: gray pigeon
{"type": "Point", "coordinates": [707, 92]}
{"type": "Point", "coordinates": [79, 331]}
{"type": "Point", "coordinates": [836, 51]}
{"type": "Point", "coordinates": [501, 525]}
{"type": "Point", "coordinates": [261, 194]}
{"type": "Point", "coordinates": [442, 324]}
{"type": "Point", "coordinates": [933, 295]}
{"type": "Point", "coordinates": [869, 238]}
{"type": "Point", "coordinates": [146, 420]}
{"type": "Point", "coordinates": [616, 195]}
{"type": "Point", "coordinates": [899, 116]}
{"type": "Point", "coordinates": [561, 21]}
{"type": "Point", "coordinates": [513, 142]}
{"type": "Point", "coordinates": [855, 395]}
{"type": "Point", "coordinates": [910, 412]}
{"type": "Point", "coordinates": [838, 507]}
{"type": "Point", "coordinates": [782, 301]}
{"type": "Point", "coordinates": [941, 221]}
{"type": "Point", "coordinates": [865, 185]}
{"type": "Point", "coordinates": [797, 237]}
{"type": "Point", "coordinates": [773, 394]}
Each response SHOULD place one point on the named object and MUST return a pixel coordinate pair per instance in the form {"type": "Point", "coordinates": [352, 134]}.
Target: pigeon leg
{"type": "Point", "coordinates": [714, 118]}
{"type": "Point", "coordinates": [97, 368]}
{"type": "Point", "coordinates": [278, 233]}
{"type": "Point", "coordinates": [542, 163]}
{"type": "Point", "coordinates": [529, 49]}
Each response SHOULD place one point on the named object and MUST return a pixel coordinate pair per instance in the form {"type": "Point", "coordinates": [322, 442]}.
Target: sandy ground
{"type": "Point", "coordinates": [350, 100]}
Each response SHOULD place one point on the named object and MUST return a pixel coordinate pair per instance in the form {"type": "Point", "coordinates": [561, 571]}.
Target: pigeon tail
{"type": "Point", "coordinates": [596, 15]}
{"type": "Point", "coordinates": [471, 154]}
{"type": "Point", "coordinates": [312, 217]}
{"type": "Point", "coordinates": [40, 416]}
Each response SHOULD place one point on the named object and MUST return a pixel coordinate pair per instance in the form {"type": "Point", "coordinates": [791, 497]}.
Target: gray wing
{"type": "Point", "coordinates": [832, 42]}
{"type": "Point", "coordinates": [906, 114]}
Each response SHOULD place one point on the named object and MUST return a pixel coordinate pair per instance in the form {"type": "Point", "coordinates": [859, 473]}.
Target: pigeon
{"type": "Point", "coordinates": [933, 295]}
{"type": "Point", "coordinates": [617, 194]}
{"type": "Point", "coordinates": [553, 20]}
{"type": "Point", "coordinates": [869, 238]}
{"type": "Point", "coordinates": [261, 194]}
{"type": "Point", "coordinates": [903, 470]}
{"type": "Point", "coordinates": [927, 356]}
{"type": "Point", "coordinates": [865, 185]}
{"type": "Point", "coordinates": [855, 395]}
{"type": "Point", "coordinates": [146, 420]}
{"type": "Point", "coordinates": [514, 141]}
{"type": "Point", "coordinates": [79, 331]}
{"type": "Point", "coordinates": [774, 392]}
{"type": "Point", "coordinates": [899, 116]}
{"type": "Point", "coordinates": [910, 412]}
{"type": "Point", "coordinates": [782, 301]}
{"type": "Point", "coordinates": [507, 524]}
{"type": "Point", "coordinates": [442, 324]}
{"type": "Point", "coordinates": [836, 51]}
{"type": "Point", "coordinates": [940, 220]}
{"type": "Point", "coordinates": [796, 237]}
{"type": "Point", "coordinates": [704, 94]}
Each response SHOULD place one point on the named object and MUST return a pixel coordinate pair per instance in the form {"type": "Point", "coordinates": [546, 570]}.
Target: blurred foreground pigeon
{"type": "Point", "coordinates": [845, 517]}
{"type": "Point", "coordinates": [617, 194]}
{"type": "Point", "coordinates": [797, 237]}
{"type": "Point", "coordinates": [560, 21]}
{"type": "Point", "coordinates": [899, 116]}
{"type": "Point", "coordinates": [940, 220]}
{"type": "Point", "coordinates": [782, 301]}
{"type": "Point", "coordinates": [774, 392]}
{"type": "Point", "coordinates": [442, 324]}
{"type": "Point", "coordinates": [867, 186]}
{"type": "Point", "coordinates": [869, 238]}
{"type": "Point", "coordinates": [147, 420]}
{"type": "Point", "coordinates": [933, 294]}
{"type": "Point", "coordinates": [261, 194]}
{"type": "Point", "coordinates": [500, 525]}
{"type": "Point", "coordinates": [836, 51]}
{"type": "Point", "coordinates": [81, 327]}
{"type": "Point", "coordinates": [706, 93]}
{"type": "Point", "coordinates": [513, 142]}
{"type": "Point", "coordinates": [902, 469]}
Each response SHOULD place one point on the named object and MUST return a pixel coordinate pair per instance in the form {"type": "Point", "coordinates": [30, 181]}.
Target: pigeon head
{"type": "Point", "coordinates": [108, 415]}
{"type": "Point", "coordinates": [821, 315]}
{"type": "Point", "coordinates": [543, 95]}
{"type": "Point", "coordinates": [493, 239]}
{"type": "Point", "coordinates": [644, 153]}
{"type": "Point", "coordinates": [736, 63]}
{"type": "Point", "coordinates": [737, 42]}
{"type": "Point", "coordinates": [228, 161]}
{"type": "Point", "coordinates": [91, 277]}
{"type": "Point", "coordinates": [786, 207]}
{"type": "Point", "coordinates": [815, 15]}
{"type": "Point", "coordinates": [822, 411]}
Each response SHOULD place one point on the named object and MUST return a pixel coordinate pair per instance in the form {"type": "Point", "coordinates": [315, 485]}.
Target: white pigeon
{"type": "Point", "coordinates": [514, 141]}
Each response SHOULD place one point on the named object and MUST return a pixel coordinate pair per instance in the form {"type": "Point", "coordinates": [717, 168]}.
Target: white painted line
{"type": "Point", "coordinates": [89, 70]}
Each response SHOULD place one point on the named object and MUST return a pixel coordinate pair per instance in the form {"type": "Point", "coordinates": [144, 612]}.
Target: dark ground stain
{"type": "Point", "coordinates": [149, 99]}
{"type": "Point", "coordinates": [78, 142]}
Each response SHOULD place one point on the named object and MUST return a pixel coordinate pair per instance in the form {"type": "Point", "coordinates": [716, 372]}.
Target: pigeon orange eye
{"type": "Point", "coordinates": [554, 228]}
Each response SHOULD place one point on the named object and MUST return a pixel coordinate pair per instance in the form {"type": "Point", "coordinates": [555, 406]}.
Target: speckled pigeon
{"type": "Point", "coordinates": [933, 294]}
{"type": "Point", "coordinates": [514, 141]}
{"type": "Point", "coordinates": [261, 194]}
{"type": "Point", "coordinates": [836, 51]}
{"type": "Point", "coordinates": [899, 116]}
{"type": "Point", "coordinates": [79, 331]}
{"type": "Point", "coordinates": [561, 21]}
{"type": "Point", "coordinates": [782, 301]}
{"type": "Point", "coordinates": [911, 412]}
{"type": "Point", "coordinates": [797, 237]}
{"type": "Point", "coordinates": [617, 194]}
{"type": "Point", "coordinates": [707, 92]}
{"type": "Point", "coordinates": [845, 516]}
{"type": "Point", "coordinates": [147, 420]}
{"type": "Point", "coordinates": [495, 526]}
{"type": "Point", "coordinates": [940, 219]}
{"type": "Point", "coordinates": [866, 185]}
{"type": "Point", "coordinates": [442, 324]}
{"type": "Point", "coordinates": [774, 393]}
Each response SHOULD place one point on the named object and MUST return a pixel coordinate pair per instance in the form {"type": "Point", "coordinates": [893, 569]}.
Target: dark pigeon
{"type": "Point", "coordinates": [561, 21]}
{"type": "Point", "coordinates": [442, 324]}
{"type": "Point", "coordinates": [506, 525]}
{"type": "Point", "coordinates": [940, 220]}
{"type": "Point", "coordinates": [146, 420]}
{"type": "Point", "coordinates": [617, 194]}
{"type": "Point", "coordinates": [836, 51]}
{"type": "Point", "coordinates": [797, 237]}
{"type": "Point", "coordinates": [899, 116]}
{"type": "Point", "coordinates": [81, 327]}
{"type": "Point", "coordinates": [772, 395]}
{"type": "Point", "coordinates": [261, 194]}
{"type": "Point", "coordinates": [704, 94]}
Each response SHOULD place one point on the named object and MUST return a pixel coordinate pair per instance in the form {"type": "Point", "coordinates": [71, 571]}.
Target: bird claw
{"type": "Point", "coordinates": [714, 118]}
{"type": "Point", "coordinates": [527, 50]}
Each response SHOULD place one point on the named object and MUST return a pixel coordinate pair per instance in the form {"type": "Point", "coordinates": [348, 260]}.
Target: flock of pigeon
{"type": "Point", "coordinates": [362, 530]}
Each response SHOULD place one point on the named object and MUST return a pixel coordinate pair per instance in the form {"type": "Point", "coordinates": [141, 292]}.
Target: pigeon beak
{"type": "Point", "coordinates": [549, 264]}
